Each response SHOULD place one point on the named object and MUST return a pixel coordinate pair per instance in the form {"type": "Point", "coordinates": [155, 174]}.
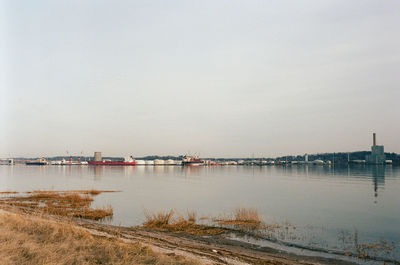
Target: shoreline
{"type": "Point", "coordinates": [216, 249]}
{"type": "Point", "coordinates": [235, 238]}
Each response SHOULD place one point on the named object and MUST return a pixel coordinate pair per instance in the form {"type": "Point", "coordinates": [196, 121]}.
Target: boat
{"type": "Point", "coordinates": [192, 161]}
{"type": "Point", "coordinates": [126, 162]}
{"type": "Point", "coordinates": [38, 162]}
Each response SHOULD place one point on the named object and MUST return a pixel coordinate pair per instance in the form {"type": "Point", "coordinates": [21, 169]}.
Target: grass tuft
{"type": "Point", "coordinates": [167, 221]}
{"type": "Point", "coordinates": [249, 215]}
{"type": "Point", "coordinates": [243, 218]}
{"type": "Point", "coordinates": [191, 216]}
{"type": "Point", "coordinates": [157, 219]}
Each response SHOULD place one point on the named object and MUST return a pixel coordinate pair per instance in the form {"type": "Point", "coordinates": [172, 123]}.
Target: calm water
{"type": "Point", "coordinates": [319, 205]}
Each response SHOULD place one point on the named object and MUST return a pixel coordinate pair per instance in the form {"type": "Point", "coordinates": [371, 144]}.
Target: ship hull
{"type": "Point", "coordinates": [111, 163]}
{"type": "Point", "coordinates": [36, 163]}
{"type": "Point", "coordinates": [192, 163]}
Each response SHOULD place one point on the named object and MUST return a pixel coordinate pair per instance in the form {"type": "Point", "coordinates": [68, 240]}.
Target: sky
{"type": "Point", "coordinates": [216, 78]}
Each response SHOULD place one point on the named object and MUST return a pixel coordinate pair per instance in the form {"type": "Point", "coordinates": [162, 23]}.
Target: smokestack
{"type": "Point", "coordinates": [374, 139]}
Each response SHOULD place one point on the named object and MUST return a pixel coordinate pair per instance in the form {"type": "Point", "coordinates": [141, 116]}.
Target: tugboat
{"type": "Point", "coordinates": [192, 161]}
{"type": "Point", "coordinates": [39, 162]}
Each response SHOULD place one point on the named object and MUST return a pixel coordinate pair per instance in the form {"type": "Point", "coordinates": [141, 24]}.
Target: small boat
{"type": "Point", "coordinates": [39, 162]}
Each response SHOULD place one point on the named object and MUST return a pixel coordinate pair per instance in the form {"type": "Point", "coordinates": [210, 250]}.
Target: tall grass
{"type": "Point", "coordinates": [160, 218]}
{"type": "Point", "coordinates": [249, 215]}
{"type": "Point", "coordinates": [242, 218]}
{"type": "Point", "coordinates": [191, 216]}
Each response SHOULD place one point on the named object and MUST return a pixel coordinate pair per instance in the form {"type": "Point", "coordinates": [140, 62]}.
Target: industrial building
{"type": "Point", "coordinates": [377, 155]}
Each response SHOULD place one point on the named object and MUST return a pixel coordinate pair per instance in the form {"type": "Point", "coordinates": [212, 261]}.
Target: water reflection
{"type": "Point", "coordinates": [378, 176]}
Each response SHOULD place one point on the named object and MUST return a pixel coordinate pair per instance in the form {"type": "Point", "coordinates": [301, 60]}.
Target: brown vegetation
{"type": "Point", "coordinates": [242, 216]}
{"type": "Point", "coordinates": [8, 192]}
{"type": "Point", "coordinates": [166, 221]}
{"type": "Point", "coordinates": [241, 219]}
{"type": "Point", "coordinates": [24, 240]}
{"type": "Point", "coordinates": [90, 192]}
{"type": "Point", "coordinates": [62, 203]}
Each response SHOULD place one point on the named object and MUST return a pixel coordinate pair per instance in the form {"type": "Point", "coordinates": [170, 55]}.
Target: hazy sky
{"type": "Point", "coordinates": [219, 78]}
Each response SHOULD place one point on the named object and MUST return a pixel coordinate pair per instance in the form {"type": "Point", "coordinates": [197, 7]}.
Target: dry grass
{"type": "Point", "coordinates": [168, 222]}
{"type": "Point", "coordinates": [90, 192]}
{"type": "Point", "coordinates": [62, 203]}
{"type": "Point", "coordinates": [242, 216]}
{"type": "Point", "coordinates": [8, 192]}
{"type": "Point", "coordinates": [241, 219]}
{"type": "Point", "coordinates": [247, 215]}
{"type": "Point", "coordinates": [24, 240]}
{"type": "Point", "coordinates": [192, 216]}
{"type": "Point", "coordinates": [158, 219]}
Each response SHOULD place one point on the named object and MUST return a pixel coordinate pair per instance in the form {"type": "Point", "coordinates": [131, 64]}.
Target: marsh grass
{"type": "Point", "coordinates": [33, 240]}
{"type": "Point", "coordinates": [191, 216]}
{"type": "Point", "coordinates": [158, 219]}
{"type": "Point", "coordinates": [241, 217]}
{"type": "Point", "coordinates": [169, 221]}
{"type": "Point", "coordinates": [90, 192]}
{"type": "Point", "coordinates": [74, 203]}
{"type": "Point", "coordinates": [8, 192]}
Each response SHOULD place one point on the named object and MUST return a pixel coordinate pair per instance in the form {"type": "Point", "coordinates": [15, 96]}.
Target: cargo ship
{"type": "Point", "coordinates": [39, 162]}
{"type": "Point", "coordinates": [98, 161]}
{"type": "Point", "coordinates": [192, 161]}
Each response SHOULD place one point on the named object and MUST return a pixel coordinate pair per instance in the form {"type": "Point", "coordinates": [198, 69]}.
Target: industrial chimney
{"type": "Point", "coordinates": [374, 139]}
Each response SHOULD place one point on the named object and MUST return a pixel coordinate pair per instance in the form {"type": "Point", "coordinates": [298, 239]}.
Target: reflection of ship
{"type": "Point", "coordinates": [192, 161]}
{"type": "Point", "coordinates": [99, 162]}
{"type": "Point", "coordinates": [39, 162]}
